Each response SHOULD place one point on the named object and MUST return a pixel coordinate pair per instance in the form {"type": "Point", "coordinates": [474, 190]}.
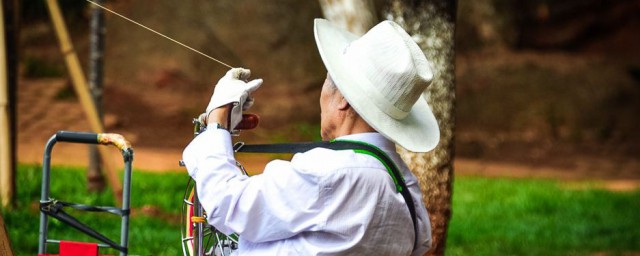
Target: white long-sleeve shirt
{"type": "Point", "coordinates": [322, 202]}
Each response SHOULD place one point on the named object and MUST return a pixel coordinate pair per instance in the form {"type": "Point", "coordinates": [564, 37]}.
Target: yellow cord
{"type": "Point", "coordinates": [196, 219]}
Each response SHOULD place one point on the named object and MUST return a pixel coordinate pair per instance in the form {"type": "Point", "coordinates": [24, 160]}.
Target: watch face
{"type": "Point", "coordinates": [219, 126]}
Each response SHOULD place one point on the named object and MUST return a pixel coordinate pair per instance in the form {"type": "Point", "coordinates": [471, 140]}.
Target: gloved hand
{"type": "Point", "coordinates": [232, 89]}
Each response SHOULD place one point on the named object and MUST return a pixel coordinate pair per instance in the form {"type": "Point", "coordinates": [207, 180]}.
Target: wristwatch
{"type": "Point", "coordinates": [217, 126]}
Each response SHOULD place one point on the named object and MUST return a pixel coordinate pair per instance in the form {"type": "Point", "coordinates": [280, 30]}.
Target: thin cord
{"type": "Point", "coordinates": [158, 33]}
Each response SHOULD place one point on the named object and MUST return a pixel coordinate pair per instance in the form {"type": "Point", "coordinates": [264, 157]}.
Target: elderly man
{"type": "Point", "coordinates": [325, 201]}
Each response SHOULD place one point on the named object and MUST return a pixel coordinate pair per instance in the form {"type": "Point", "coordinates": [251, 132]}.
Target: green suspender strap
{"type": "Point", "coordinates": [356, 146]}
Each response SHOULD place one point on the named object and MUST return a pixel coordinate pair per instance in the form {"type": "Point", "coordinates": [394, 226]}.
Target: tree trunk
{"type": "Point", "coordinates": [95, 179]}
{"type": "Point", "coordinates": [356, 16]}
{"type": "Point", "coordinates": [432, 25]}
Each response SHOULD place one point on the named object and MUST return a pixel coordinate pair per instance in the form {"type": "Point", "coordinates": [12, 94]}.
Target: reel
{"type": "Point", "coordinates": [198, 237]}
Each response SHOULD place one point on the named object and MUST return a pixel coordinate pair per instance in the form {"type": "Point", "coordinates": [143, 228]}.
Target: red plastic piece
{"type": "Point", "coordinates": [69, 248]}
{"type": "Point", "coordinates": [248, 122]}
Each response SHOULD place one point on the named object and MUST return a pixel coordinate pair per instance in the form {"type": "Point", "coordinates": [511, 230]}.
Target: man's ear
{"type": "Point", "coordinates": [343, 104]}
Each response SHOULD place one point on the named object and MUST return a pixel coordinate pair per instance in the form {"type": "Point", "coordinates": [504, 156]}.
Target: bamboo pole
{"type": "Point", "coordinates": [82, 90]}
{"type": "Point", "coordinates": [6, 172]}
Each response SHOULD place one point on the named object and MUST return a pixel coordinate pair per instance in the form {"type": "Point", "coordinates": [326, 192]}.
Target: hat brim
{"type": "Point", "coordinates": [418, 132]}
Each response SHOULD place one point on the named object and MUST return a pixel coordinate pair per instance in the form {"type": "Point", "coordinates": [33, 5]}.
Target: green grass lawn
{"type": "Point", "coordinates": [490, 216]}
{"type": "Point", "coordinates": [156, 232]}
{"type": "Point", "coordinates": [539, 217]}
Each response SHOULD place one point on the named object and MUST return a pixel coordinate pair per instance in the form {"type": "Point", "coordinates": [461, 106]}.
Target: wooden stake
{"type": "Point", "coordinates": [5, 246]}
{"type": "Point", "coordinates": [6, 165]}
{"type": "Point", "coordinates": [82, 90]}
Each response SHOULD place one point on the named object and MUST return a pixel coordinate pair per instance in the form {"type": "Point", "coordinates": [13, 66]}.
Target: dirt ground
{"type": "Point", "coordinates": [42, 113]}
{"type": "Point", "coordinates": [153, 108]}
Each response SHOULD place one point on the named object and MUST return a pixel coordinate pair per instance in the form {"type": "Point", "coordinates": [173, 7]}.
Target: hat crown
{"type": "Point", "coordinates": [394, 64]}
{"type": "Point", "coordinates": [382, 75]}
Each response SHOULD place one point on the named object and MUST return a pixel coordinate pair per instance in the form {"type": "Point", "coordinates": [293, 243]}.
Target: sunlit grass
{"type": "Point", "coordinates": [154, 232]}
{"type": "Point", "coordinates": [490, 216]}
{"type": "Point", "coordinates": [538, 217]}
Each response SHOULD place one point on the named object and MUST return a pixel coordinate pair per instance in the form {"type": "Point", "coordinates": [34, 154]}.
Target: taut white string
{"type": "Point", "coordinates": [158, 33]}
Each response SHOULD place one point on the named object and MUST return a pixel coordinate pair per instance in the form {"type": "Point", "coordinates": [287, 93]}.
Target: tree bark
{"type": "Point", "coordinates": [356, 16]}
{"type": "Point", "coordinates": [95, 179]}
{"type": "Point", "coordinates": [432, 25]}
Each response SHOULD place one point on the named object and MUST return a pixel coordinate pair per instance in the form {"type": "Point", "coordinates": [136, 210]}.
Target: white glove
{"type": "Point", "coordinates": [232, 88]}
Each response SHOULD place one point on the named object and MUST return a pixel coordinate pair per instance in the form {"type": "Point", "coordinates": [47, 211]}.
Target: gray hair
{"type": "Point", "coordinates": [332, 85]}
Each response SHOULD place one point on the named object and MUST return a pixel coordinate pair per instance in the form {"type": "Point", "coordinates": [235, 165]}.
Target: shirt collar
{"type": "Point", "coordinates": [372, 138]}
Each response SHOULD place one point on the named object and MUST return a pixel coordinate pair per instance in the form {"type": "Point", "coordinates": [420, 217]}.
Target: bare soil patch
{"type": "Point", "coordinates": [521, 114]}
{"type": "Point", "coordinates": [158, 140]}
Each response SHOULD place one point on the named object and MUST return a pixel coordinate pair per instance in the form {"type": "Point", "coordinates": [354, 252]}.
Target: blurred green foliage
{"type": "Point", "coordinates": [38, 68]}
{"type": "Point", "coordinates": [66, 93]}
{"type": "Point", "coordinates": [36, 10]}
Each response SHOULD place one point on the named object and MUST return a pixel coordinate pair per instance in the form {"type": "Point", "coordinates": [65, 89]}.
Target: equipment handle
{"type": "Point", "coordinates": [114, 139]}
{"type": "Point", "coordinates": [79, 137]}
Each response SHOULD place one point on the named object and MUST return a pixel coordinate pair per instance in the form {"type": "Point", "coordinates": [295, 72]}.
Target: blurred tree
{"type": "Point", "coordinates": [569, 24]}
{"type": "Point", "coordinates": [432, 24]}
{"type": "Point", "coordinates": [486, 24]}
{"type": "Point", "coordinates": [36, 11]}
{"type": "Point", "coordinates": [357, 16]}
{"type": "Point", "coordinates": [95, 179]}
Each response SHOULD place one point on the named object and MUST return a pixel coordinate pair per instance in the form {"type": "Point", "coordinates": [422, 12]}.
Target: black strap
{"type": "Point", "coordinates": [401, 186]}
{"type": "Point", "coordinates": [279, 147]}
{"type": "Point", "coordinates": [91, 208]}
{"type": "Point", "coordinates": [53, 208]}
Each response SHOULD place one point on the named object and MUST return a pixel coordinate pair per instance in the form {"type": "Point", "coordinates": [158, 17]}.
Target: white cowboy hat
{"type": "Point", "coordinates": [382, 75]}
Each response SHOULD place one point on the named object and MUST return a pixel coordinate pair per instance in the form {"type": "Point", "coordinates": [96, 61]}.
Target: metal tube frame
{"type": "Point", "coordinates": [197, 207]}
{"type": "Point", "coordinates": [44, 196]}
{"type": "Point", "coordinates": [197, 234]}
